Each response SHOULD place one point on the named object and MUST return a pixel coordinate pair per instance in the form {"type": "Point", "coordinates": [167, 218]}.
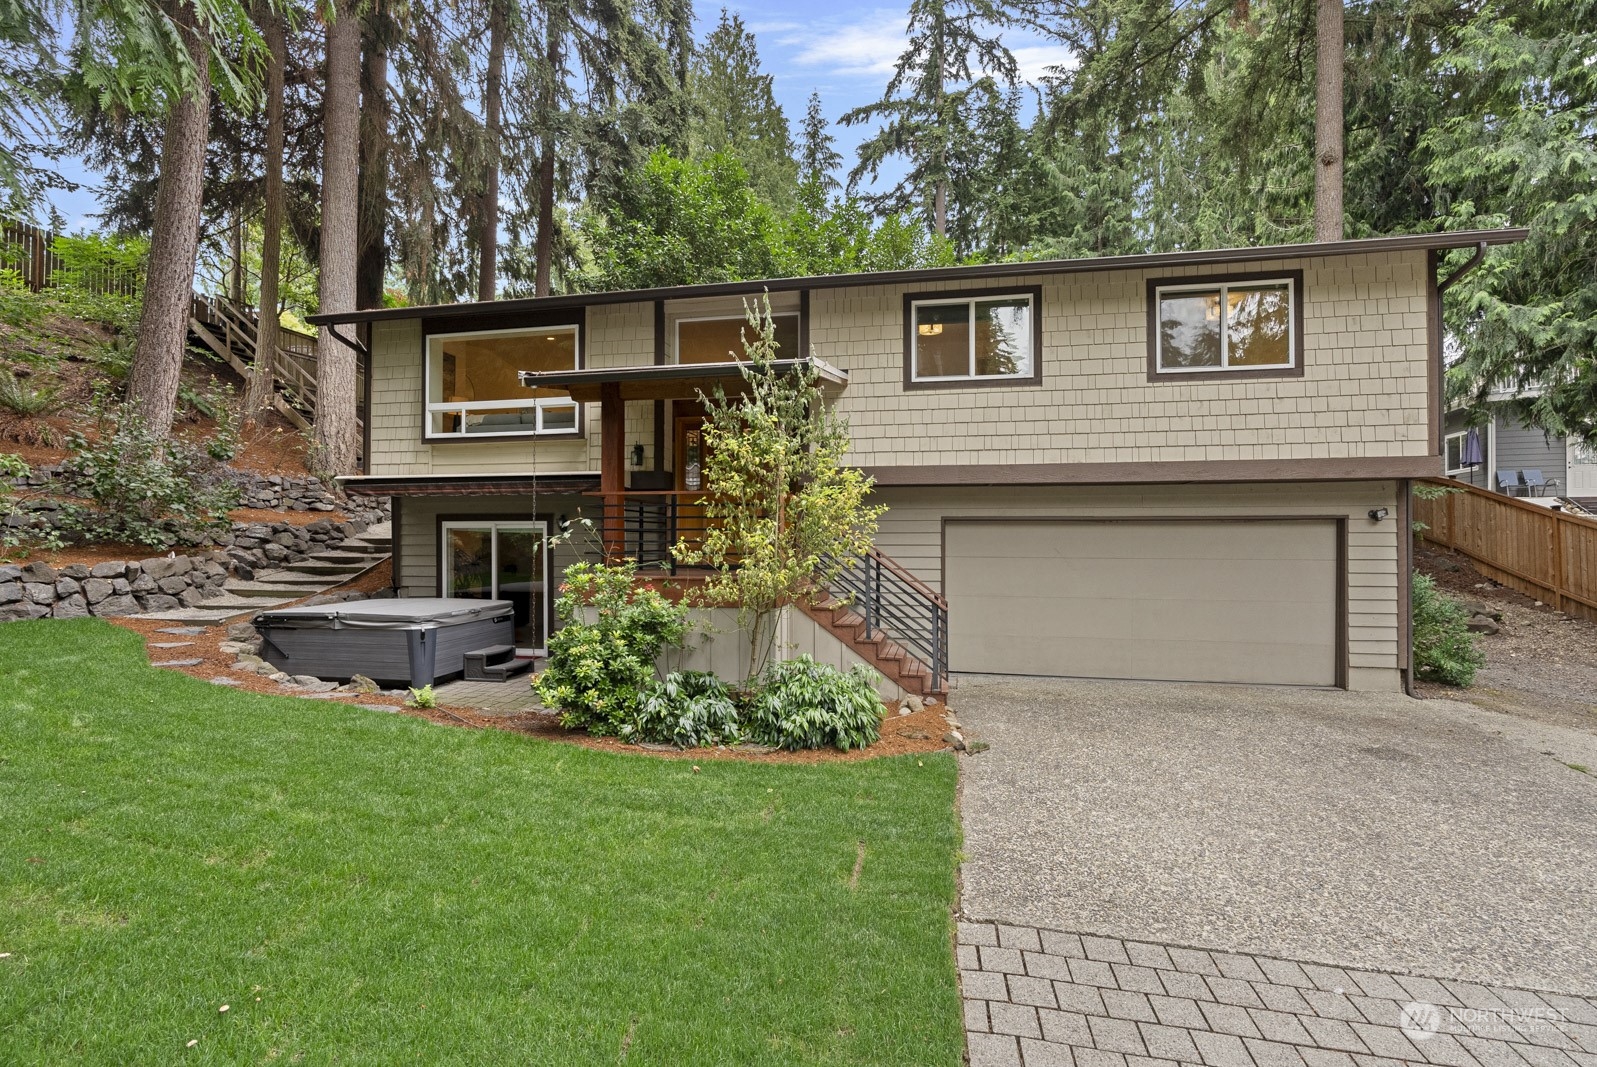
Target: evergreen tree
{"type": "Point", "coordinates": [819, 158]}
{"type": "Point", "coordinates": [950, 69]}
{"type": "Point", "coordinates": [337, 433]}
{"type": "Point", "coordinates": [737, 115]}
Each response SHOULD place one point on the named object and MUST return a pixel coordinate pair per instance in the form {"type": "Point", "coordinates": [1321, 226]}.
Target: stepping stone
{"type": "Point", "coordinates": [183, 631]}
{"type": "Point", "coordinates": [377, 707]}
{"type": "Point", "coordinates": [177, 663]}
{"type": "Point", "coordinates": [171, 644]}
{"type": "Point", "coordinates": [226, 681]}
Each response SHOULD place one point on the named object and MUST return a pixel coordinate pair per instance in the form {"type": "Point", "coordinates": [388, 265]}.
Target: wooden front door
{"type": "Point", "coordinates": [689, 466]}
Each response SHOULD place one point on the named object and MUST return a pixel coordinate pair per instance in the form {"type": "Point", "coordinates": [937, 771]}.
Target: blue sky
{"type": "Point", "coordinates": [844, 51]}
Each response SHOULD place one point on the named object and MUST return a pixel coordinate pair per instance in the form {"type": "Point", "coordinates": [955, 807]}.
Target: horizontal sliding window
{"type": "Point", "coordinates": [473, 389]}
{"type": "Point", "coordinates": [984, 338]}
{"type": "Point", "coordinates": [1237, 326]}
{"type": "Point", "coordinates": [722, 340]}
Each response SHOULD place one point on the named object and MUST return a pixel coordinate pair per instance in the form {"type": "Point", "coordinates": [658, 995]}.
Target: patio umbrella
{"type": "Point", "coordinates": [1471, 454]}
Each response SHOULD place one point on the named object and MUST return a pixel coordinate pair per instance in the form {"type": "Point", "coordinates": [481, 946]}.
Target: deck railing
{"type": "Point", "coordinates": [645, 525]}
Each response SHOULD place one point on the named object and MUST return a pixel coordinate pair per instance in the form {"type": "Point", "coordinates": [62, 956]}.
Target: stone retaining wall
{"type": "Point", "coordinates": [162, 583]}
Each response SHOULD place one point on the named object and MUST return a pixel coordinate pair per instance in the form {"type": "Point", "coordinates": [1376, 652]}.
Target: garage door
{"type": "Point", "coordinates": [1211, 601]}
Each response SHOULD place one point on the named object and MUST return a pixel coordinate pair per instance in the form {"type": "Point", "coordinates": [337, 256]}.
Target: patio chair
{"type": "Point", "coordinates": [1536, 485]}
{"type": "Point", "coordinates": [1508, 483]}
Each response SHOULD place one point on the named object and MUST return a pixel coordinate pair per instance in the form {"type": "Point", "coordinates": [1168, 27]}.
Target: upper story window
{"type": "Point", "coordinates": [473, 391]}
{"type": "Point", "coordinates": [1242, 325]}
{"type": "Point", "coordinates": [721, 339]}
{"type": "Point", "coordinates": [963, 339]}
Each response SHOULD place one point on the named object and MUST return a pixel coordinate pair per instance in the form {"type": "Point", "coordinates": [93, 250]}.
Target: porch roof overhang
{"type": "Point", "coordinates": [467, 485]}
{"type": "Point", "coordinates": [672, 381]}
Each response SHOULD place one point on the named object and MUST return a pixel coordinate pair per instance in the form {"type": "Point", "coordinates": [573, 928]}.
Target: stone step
{"type": "Point", "coordinates": [297, 579]}
{"type": "Point", "coordinates": [315, 567]}
{"type": "Point", "coordinates": [265, 590]}
{"type": "Point", "coordinates": [194, 616]}
{"type": "Point", "coordinates": [339, 555]}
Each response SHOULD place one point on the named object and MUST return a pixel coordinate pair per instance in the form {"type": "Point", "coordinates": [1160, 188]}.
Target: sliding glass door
{"type": "Point", "coordinates": [493, 560]}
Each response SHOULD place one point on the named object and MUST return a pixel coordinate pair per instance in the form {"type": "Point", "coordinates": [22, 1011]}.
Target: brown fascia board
{"type": "Point", "coordinates": [1380, 468]}
{"type": "Point", "coordinates": [1197, 257]}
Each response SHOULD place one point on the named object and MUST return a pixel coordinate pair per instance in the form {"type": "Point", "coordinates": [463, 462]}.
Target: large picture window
{"type": "Point", "coordinates": [720, 340]}
{"type": "Point", "coordinates": [473, 391]}
{"type": "Point", "coordinates": [1243, 325]}
{"type": "Point", "coordinates": [971, 339]}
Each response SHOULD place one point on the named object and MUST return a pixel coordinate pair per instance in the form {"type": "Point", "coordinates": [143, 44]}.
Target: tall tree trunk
{"type": "Point", "coordinates": [1329, 52]}
{"type": "Point", "coordinates": [488, 217]}
{"type": "Point", "coordinates": [259, 394]}
{"type": "Point", "coordinates": [336, 431]}
{"type": "Point", "coordinates": [235, 285]}
{"type": "Point", "coordinates": [544, 251]}
{"type": "Point", "coordinates": [371, 273]}
{"type": "Point", "coordinates": [174, 241]}
{"type": "Point", "coordinates": [940, 209]}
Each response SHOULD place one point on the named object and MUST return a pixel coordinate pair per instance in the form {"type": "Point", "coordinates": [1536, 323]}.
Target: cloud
{"type": "Point", "coordinates": [869, 46]}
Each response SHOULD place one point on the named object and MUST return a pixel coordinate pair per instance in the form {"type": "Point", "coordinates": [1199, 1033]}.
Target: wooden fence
{"type": "Point", "coordinates": [1550, 555]}
{"type": "Point", "coordinates": [31, 251]}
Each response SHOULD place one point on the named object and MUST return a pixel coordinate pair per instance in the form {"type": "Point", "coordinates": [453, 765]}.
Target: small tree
{"type": "Point", "coordinates": [783, 515]}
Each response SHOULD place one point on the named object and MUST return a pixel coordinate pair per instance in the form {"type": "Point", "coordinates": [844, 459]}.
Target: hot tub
{"type": "Point", "coordinates": [408, 640]}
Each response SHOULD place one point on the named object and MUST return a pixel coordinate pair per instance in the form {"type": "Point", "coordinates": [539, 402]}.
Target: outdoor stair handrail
{"type": "Point", "coordinates": [897, 606]}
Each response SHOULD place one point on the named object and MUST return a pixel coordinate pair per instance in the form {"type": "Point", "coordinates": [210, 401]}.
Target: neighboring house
{"type": "Point", "coordinates": [1187, 466]}
{"type": "Point", "coordinates": [1483, 443]}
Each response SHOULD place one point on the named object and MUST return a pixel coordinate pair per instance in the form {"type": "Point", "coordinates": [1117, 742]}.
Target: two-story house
{"type": "Point", "coordinates": [1184, 466]}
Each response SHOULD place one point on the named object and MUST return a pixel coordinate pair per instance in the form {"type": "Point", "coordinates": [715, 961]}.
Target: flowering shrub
{"type": "Point", "coordinates": [603, 656]}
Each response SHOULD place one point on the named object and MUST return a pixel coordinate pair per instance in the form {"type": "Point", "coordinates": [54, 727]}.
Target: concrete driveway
{"type": "Point", "coordinates": [1426, 837]}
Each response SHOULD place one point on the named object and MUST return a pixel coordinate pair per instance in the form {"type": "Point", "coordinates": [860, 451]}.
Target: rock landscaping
{"type": "Point", "coordinates": [162, 583]}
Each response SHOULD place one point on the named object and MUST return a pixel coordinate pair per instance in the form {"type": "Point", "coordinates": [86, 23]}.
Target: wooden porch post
{"type": "Point", "coordinates": [612, 467]}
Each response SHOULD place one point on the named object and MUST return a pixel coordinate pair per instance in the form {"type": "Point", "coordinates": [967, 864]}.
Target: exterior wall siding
{"type": "Point", "coordinates": [1363, 394]}
{"type": "Point", "coordinates": [911, 532]}
{"type": "Point", "coordinates": [1522, 448]}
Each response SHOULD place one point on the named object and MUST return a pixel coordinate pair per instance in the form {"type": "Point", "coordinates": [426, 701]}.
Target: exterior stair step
{"type": "Point", "coordinates": [326, 570]}
{"type": "Point", "coordinates": [342, 556]}
{"type": "Point", "coordinates": [265, 590]}
{"type": "Point", "coordinates": [298, 579]}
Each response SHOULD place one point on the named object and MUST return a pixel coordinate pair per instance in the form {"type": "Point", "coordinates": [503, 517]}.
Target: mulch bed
{"type": "Point", "coordinates": [916, 733]}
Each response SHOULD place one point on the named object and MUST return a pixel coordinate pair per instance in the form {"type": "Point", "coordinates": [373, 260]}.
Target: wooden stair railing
{"type": "Point", "coordinates": [232, 332]}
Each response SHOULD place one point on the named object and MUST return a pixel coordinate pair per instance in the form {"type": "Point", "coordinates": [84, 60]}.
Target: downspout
{"type": "Point", "coordinates": [1405, 511]}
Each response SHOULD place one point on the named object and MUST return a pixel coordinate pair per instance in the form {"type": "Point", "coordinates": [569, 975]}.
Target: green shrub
{"type": "Point", "coordinates": [1444, 649]}
{"type": "Point", "coordinates": [803, 704]}
{"type": "Point", "coordinates": [690, 709]}
{"type": "Point", "coordinates": [25, 402]}
{"type": "Point", "coordinates": [143, 487]}
{"type": "Point", "coordinates": [602, 658]}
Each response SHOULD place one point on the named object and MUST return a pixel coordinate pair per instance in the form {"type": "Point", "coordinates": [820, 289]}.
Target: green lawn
{"type": "Point", "coordinates": [369, 888]}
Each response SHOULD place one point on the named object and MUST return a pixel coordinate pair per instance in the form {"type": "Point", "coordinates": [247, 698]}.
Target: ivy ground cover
{"type": "Point", "coordinates": [360, 887]}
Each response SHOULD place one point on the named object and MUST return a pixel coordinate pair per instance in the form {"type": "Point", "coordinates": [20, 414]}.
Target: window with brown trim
{"type": "Point", "coordinates": [990, 337]}
{"type": "Point", "coordinates": [1234, 326]}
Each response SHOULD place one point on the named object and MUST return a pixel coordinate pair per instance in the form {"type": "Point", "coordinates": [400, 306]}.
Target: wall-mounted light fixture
{"type": "Point", "coordinates": [1377, 514]}
{"type": "Point", "coordinates": [637, 455]}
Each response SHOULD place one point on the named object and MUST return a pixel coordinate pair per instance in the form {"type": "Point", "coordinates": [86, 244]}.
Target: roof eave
{"type": "Point", "coordinates": [1141, 261]}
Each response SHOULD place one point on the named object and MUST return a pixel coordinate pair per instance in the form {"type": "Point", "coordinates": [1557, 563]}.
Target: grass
{"type": "Point", "coordinates": [368, 888]}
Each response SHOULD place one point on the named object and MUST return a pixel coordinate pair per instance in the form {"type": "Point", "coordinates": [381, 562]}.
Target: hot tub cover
{"type": "Point", "coordinates": [400, 613]}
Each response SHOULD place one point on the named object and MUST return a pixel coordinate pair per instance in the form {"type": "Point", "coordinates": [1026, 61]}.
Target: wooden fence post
{"type": "Point", "coordinates": [1558, 562]}
{"type": "Point", "coordinates": [36, 255]}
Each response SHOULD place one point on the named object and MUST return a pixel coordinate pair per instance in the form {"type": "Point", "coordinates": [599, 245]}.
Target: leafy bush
{"type": "Point", "coordinates": [89, 264]}
{"type": "Point", "coordinates": [423, 698]}
{"type": "Point", "coordinates": [803, 704]}
{"type": "Point", "coordinates": [143, 487]}
{"type": "Point", "coordinates": [690, 709]}
{"type": "Point", "coordinates": [598, 669]}
{"type": "Point", "coordinates": [1444, 649]}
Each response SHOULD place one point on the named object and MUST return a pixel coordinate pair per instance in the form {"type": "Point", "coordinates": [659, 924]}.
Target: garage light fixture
{"type": "Point", "coordinates": [1377, 514]}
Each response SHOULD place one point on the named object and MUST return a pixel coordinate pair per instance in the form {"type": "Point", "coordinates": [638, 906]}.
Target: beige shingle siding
{"type": "Point", "coordinates": [1363, 392]}
{"type": "Point", "coordinates": [616, 336]}
{"type": "Point", "coordinates": [911, 532]}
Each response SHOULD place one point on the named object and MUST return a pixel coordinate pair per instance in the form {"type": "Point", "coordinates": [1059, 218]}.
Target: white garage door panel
{"type": "Point", "coordinates": [1199, 601]}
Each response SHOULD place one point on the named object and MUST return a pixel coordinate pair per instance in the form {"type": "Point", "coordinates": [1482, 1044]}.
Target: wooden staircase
{"type": "Point", "coordinates": [232, 332]}
{"type": "Point", "coordinates": [891, 619]}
